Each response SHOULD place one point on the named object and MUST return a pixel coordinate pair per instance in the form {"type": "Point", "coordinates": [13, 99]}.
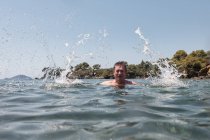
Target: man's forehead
{"type": "Point", "coordinates": [119, 67]}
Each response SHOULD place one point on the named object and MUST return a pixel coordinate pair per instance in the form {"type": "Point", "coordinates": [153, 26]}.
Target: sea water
{"type": "Point", "coordinates": [85, 110]}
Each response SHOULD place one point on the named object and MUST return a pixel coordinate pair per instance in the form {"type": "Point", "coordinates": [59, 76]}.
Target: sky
{"type": "Point", "coordinates": [43, 33]}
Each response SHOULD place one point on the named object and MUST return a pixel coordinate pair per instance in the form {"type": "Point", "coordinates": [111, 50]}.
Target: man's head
{"type": "Point", "coordinates": [120, 71]}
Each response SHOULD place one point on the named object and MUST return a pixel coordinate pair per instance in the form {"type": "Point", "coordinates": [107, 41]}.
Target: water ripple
{"type": "Point", "coordinates": [29, 110]}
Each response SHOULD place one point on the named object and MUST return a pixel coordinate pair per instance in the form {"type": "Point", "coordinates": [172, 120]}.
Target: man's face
{"type": "Point", "coordinates": [119, 73]}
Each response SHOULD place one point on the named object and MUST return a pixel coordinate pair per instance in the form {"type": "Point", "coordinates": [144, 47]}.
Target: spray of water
{"type": "Point", "coordinates": [169, 75]}
{"type": "Point", "coordinates": [62, 79]}
{"type": "Point", "coordinates": [67, 72]}
{"type": "Point", "coordinates": [81, 42]}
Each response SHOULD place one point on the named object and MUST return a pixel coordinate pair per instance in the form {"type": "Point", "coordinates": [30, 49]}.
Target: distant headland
{"type": "Point", "coordinates": [19, 77]}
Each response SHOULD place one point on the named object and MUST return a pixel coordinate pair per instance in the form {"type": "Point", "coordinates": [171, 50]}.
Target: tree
{"type": "Point", "coordinates": [192, 66]}
{"type": "Point", "coordinates": [131, 71]}
{"type": "Point", "coordinates": [208, 53]}
{"type": "Point", "coordinates": [144, 69]}
{"type": "Point", "coordinates": [96, 67]}
{"type": "Point", "coordinates": [198, 53]}
{"type": "Point", "coordinates": [82, 66]}
{"type": "Point", "coordinates": [83, 70]}
{"type": "Point", "coordinates": [208, 57]}
{"type": "Point", "coordinates": [179, 55]}
{"type": "Point", "coordinates": [107, 73]}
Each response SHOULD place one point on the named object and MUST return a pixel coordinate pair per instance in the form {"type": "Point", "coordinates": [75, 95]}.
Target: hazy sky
{"type": "Point", "coordinates": [39, 33]}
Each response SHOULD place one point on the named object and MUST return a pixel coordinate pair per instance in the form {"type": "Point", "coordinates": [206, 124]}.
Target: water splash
{"type": "Point", "coordinates": [83, 38]}
{"type": "Point", "coordinates": [168, 75]}
{"type": "Point", "coordinates": [63, 79]}
{"type": "Point", "coordinates": [147, 49]}
{"type": "Point", "coordinates": [65, 76]}
{"type": "Point", "coordinates": [104, 33]}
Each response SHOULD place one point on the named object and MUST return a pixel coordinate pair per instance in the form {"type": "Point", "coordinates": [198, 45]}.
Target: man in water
{"type": "Point", "coordinates": [119, 72]}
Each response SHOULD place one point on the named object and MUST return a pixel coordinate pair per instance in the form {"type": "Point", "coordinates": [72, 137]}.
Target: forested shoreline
{"type": "Point", "coordinates": [193, 65]}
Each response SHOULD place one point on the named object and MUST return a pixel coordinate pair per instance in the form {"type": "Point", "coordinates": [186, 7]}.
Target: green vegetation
{"type": "Point", "coordinates": [142, 70]}
{"type": "Point", "coordinates": [195, 64]}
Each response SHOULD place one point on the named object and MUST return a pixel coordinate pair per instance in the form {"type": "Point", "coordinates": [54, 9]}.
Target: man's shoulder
{"type": "Point", "coordinates": [110, 82]}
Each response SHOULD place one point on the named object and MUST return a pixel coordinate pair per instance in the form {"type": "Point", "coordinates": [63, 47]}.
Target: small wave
{"type": "Point", "coordinates": [77, 83]}
{"type": "Point", "coordinates": [68, 81]}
